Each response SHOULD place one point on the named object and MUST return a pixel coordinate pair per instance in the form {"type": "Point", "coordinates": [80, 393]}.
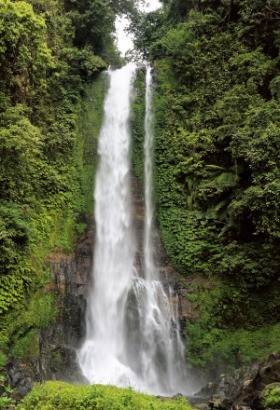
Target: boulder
{"type": "Point", "coordinates": [246, 388]}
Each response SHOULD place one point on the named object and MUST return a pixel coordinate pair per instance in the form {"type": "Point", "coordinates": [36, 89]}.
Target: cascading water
{"type": "Point", "coordinates": [133, 336]}
{"type": "Point", "coordinates": [102, 356]}
{"type": "Point", "coordinates": [161, 360]}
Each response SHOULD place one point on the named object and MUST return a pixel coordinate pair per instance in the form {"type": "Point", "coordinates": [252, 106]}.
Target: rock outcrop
{"type": "Point", "coordinates": [71, 276]}
{"type": "Point", "coordinates": [243, 389]}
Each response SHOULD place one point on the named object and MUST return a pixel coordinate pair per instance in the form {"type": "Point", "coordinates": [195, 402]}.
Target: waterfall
{"type": "Point", "coordinates": [161, 355]}
{"type": "Point", "coordinates": [102, 356]}
{"type": "Point", "coordinates": [132, 336]}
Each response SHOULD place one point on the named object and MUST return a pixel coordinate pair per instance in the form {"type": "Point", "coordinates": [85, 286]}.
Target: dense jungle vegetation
{"type": "Point", "coordinates": [217, 144]}
{"type": "Point", "coordinates": [50, 53]}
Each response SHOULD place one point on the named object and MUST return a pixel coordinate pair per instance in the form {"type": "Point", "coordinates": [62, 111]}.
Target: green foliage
{"type": "Point", "coordinates": [19, 140]}
{"type": "Point", "coordinates": [20, 328]}
{"type": "Point", "coordinates": [215, 339]}
{"type": "Point", "coordinates": [31, 229]}
{"type": "Point", "coordinates": [91, 20]}
{"type": "Point", "coordinates": [58, 395]}
{"type": "Point", "coordinates": [272, 396]}
{"type": "Point", "coordinates": [24, 55]}
{"type": "Point", "coordinates": [151, 22]}
{"type": "Point", "coordinates": [6, 402]}
{"type": "Point", "coordinates": [51, 111]}
{"type": "Point", "coordinates": [137, 125]}
{"type": "Point", "coordinates": [86, 147]}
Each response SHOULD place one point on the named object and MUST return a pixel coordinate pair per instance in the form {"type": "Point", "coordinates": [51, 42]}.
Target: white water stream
{"type": "Point", "coordinates": [133, 336]}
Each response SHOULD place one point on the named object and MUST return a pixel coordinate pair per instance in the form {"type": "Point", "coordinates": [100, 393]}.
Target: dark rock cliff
{"type": "Point", "coordinates": [70, 281]}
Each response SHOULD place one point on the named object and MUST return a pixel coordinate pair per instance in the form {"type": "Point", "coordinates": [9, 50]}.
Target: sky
{"type": "Point", "coordinates": [124, 40]}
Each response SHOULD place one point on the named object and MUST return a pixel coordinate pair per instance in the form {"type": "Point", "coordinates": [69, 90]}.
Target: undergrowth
{"type": "Point", "coordinates": [62, 396]}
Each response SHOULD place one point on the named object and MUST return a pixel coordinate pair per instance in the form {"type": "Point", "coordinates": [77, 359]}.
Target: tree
{"type": "Point", "coordinates": [24, 55]}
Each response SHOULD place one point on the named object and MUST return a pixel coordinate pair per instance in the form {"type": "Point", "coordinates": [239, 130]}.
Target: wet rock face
{"type": "Point", "coordinates": [243, 389]}
{"type": "Point", "coordinates": [21, 378]}
{"type": "Point", "coordinates": [58, 342]}
{"type": "Point", "coordinates": [71, 277]}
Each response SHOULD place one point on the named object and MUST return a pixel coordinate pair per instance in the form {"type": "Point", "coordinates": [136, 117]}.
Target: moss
{"type": "Point", "coordinates": [272, 396]}
{"type": "Point", "coordinates": [137, 125]}
{"type": "Point", "coordinates": [214, 345]}
{"type": "Point", "coordinates": [192, 297]}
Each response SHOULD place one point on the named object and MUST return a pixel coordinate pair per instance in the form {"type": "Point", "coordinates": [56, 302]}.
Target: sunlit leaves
{"type": "Point", "coordinates": [24, 54]}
